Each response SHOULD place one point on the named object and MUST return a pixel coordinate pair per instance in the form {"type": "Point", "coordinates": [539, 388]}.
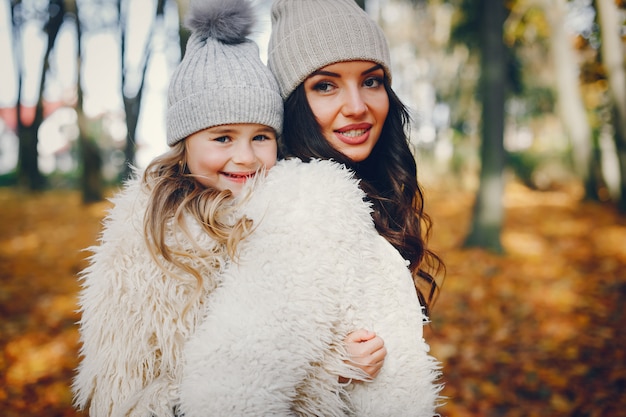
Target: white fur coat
{"type": "Point", "coordinates": [131, 329]}
{"type": "Point", "coordinates": [273, 322]}
{"type": "Point", "coordinates": [313, 270]}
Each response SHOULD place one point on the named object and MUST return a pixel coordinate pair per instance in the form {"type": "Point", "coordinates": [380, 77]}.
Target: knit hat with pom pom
{"type": "Point", "coordinates": [221, 79]}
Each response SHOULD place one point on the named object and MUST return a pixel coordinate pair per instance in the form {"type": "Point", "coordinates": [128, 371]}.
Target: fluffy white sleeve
{"type": "Point", "coordinates": [386, 303]}
{"type": "Point", "coordinates": [131, 329]}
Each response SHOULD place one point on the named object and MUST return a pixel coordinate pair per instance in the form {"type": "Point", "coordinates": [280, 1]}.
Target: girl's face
{"type": "Point", "coordinates": [225, 157]}
{"type": "Point", "coordinates": [350, 104]}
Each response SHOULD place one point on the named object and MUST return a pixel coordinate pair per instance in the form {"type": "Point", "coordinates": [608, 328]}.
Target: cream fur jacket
{"type": "Point", "coordinates": [265, 337]}
{"type": "Point", "coordinates": [314, 269]}
{"type": "Point", "coordinates": [131, 328]}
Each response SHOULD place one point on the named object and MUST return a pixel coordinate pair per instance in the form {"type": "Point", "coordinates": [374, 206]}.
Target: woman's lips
{"type": "Point", "coordinates": [354, 134]}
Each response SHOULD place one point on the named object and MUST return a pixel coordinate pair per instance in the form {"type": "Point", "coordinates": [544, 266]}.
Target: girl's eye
{"type": "Point", "coordinates": [323, 86]}
{"type": "Point", "coordinates": [222, 139]}
{"type": "Point", "coordinates": [261, 138]}
{"type": "Point", "coordinates": [373, 82]}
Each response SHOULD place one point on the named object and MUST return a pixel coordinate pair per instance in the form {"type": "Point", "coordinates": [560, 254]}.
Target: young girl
{"type": "Point", "coordinates": [341, 245]}
{"type": "Point", "coordinates": [173, 231]}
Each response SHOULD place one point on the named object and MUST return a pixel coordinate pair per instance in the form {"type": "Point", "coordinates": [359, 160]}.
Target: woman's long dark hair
{"type": "Point", "coordinates": [388, 176]}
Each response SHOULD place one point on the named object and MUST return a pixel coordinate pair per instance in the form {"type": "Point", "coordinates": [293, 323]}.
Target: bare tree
{"type": "Point", "coordinates": [16, 23]}
{"type": "Point", "coordinates": [614, 60]}
{"type": "Point", "coordinates": [132, 102]}
{"type": "Point", "coordinates": [183, 34]}
{"type": "Point", "coordinates": [91, 182]}
{"type": "Point", "coordinates": [488, 214]}
{"type": "Point", "coordinates": [571, 108]}
{"type": "Point", "coordinates": [28, 172]}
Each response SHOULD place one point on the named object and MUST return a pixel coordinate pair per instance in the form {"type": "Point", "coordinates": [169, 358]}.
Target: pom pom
{"type": "Point", "coordinates": [228, 21]}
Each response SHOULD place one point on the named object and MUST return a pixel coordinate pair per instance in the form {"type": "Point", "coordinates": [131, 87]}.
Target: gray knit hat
{"type": "Point", "coordinates": [221, 78]}
{"type": "Point", "coordinates": [310, 34]}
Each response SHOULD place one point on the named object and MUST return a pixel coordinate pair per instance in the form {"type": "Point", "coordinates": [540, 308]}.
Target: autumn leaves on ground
{"type": "Point", "coordinates": [537, 332]}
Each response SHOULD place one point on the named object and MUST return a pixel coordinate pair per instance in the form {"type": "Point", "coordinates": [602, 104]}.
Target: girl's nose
{"type": "Point", "coordinates": [244, 153]}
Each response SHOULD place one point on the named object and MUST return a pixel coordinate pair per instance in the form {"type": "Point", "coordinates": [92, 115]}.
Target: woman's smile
{"type": "Point", "coordinates": [354, 134]}
{"type": "Point", "coordinates": [350, 104]}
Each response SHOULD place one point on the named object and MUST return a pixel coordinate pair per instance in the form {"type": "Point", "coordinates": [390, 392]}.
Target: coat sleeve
{"type": "Point", "coordinates": [386, 302]}
{"type": "Point", "coordinates": [130, 328]}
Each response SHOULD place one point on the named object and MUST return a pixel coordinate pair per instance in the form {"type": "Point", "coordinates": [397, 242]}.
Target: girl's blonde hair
{"type": "Point", "coordinates": [175, 194]}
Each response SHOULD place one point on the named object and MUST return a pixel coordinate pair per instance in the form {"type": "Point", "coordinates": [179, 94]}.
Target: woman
{"type": "Point", "coordinates": [334, 74]}
{"type": "Point", "coordinates": [330, 261]}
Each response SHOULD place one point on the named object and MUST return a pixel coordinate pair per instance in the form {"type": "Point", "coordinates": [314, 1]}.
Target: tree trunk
{"type": "Point", "coordinates": [571, 107]}
{"type": "Point", "coordinates": [614, 60]}
{"type": "Point", "coordinates": [488, 211]}
{"type": "Point", "coordinates": [28, 174]}
{"type": "Point", "coordinates": [132, 105]}
{"type": "Point", "coordinates": [28, 166]}
{"type": "Point", "coordinates": [92, 184]}
{"type": "Point", "coordinates": [183, 34]}
{"type": "Point", "coordinates": [595, 182]}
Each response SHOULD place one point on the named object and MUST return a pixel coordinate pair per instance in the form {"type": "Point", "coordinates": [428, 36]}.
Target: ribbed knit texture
{"type": "Point", "coordinates": [219, 83]}
{"type": "Point", "coordinates": [310, 34]}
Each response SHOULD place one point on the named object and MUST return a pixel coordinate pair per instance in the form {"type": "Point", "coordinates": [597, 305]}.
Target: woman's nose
{"type": "Point", "coordinates": [354, 104]}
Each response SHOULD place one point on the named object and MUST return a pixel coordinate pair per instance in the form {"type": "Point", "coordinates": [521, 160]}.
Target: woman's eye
{"type": "Point", "coordinates": [323, 86]}
{"type": "Point", "coordinates": [373, 82]}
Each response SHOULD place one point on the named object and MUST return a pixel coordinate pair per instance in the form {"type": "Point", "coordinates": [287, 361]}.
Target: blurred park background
{"type": "Point", "coordinates": [519, 129]}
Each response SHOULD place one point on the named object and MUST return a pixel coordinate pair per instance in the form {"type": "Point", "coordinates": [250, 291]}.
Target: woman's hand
{"type": "Point", "coordinates": [366, 351]}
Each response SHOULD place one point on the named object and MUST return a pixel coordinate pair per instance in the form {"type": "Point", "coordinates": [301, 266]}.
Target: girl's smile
{"type": "Point", "coordinates": [225, 157]}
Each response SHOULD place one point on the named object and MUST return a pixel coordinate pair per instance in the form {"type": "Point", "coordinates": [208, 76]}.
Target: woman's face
{"type": "Point", "coordinates": [350, 104]}
{"type": "Point", "coordinates": [225, 157]}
